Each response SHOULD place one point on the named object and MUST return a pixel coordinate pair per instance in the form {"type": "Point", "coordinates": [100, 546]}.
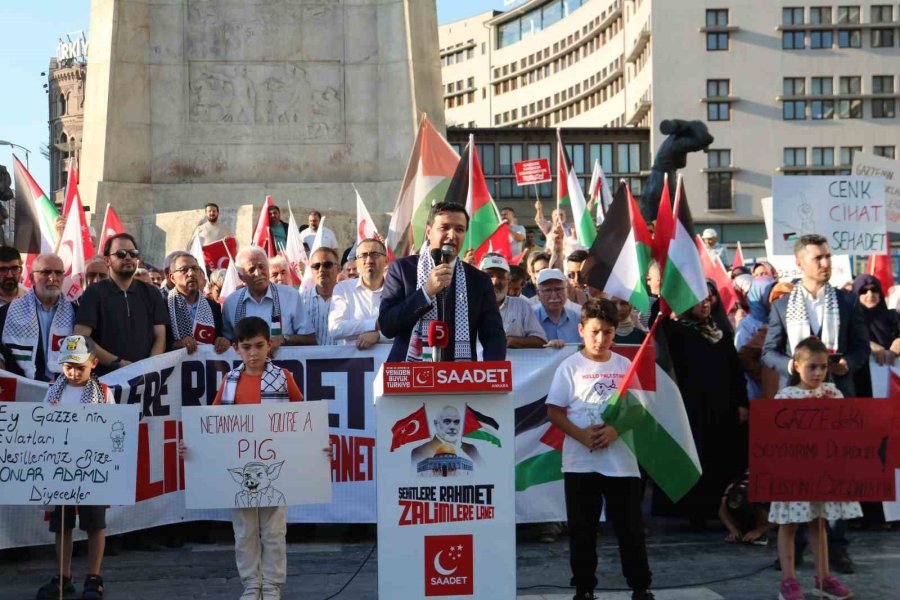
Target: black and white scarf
{"type": "Point", "coordinates": [22, 332]}
{"type": "Point", "coordinates": [93, 391]}
{"type": "Point", "coordinates": [180, 318]}
{"type": "Point", "coordinates": [461, 321]}
{"type": "Point", "coordinates": [240, 310]}
{"type": "Point", "coordinates": [797, 319]}
{"type": "Point", "coordinates": [272, 384]}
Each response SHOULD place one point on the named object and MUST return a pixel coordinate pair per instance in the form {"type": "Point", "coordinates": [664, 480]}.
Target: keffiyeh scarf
{"type": "Point", "coordinates": [93, 392]}
{"type": "Point", "coordinates": [22, 332]}
{"type": "Point", "coordinates": [797, 319]}
{"type": "Point", "coordinates": [241, 310]}
{"type": "Point", "coordinates": [272, 384]}
{"type": "Point", "coordinates": [180, 319]}
{"type": "Point", "coordinates": [463, 346]}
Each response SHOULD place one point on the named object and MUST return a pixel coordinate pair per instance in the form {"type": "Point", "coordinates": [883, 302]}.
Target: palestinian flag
{"type": "Point", "coordinates": [569, 192]}
{"type": "Point", "coordinates": [648, 412]}
{"type": "Point", "coordinates": [35, 216]}
{"type": "Point", "coordinates": [617, 260]}
{"type": "Point", "coordinates": [665, 222]}
{"type": "Point", "coordinates": [479, 426]}
{"type": "Point", "coordinates": [538, 446]}
{"type": "Point", "coordinates": [428, 172]}
{"type": "Point", "coordinates": [683, 283]}
{"type": "Point", "coordinates": [468, 188]}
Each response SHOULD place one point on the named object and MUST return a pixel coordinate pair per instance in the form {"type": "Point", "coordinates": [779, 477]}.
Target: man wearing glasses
{"type": "Point", "coordinates": [193, 318]}
{"type": "Point", "coordinates": [126, 318]}
{"type": "Point", "coordinates": [35, 325]}
{"type": "Point", "coordinates": [560, 323]}
{"type": "Point", "coordinates": [10, 275]}
{"type": "Point", "coordinates": [316, 302]}
{"type": "Point", "coordinates": [355, 301]}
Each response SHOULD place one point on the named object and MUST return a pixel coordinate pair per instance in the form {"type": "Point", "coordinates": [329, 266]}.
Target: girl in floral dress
{"type": "Point", "coordinates": [810, 367]}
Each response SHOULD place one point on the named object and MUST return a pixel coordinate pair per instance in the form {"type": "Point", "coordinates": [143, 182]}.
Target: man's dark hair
{"type": "Point", "coordinates": [119, 236]}
{"type": "Point", "coordinates": [447, 207]}
{"type": "Point", "coordinates": [600, 308]}
{"type": "Point", "coordinates": [9, 254]}
{"type": "Point", "coordinates": [331, 251]}
{"type": "Point", "coordinates": [810, 239]}
{"type": "Point", "coordinates": [373, 241]}
{"type": "Point", "coordinates": [275, 206]}
{"type": "Point", "coordinates": [509, 208]}
{"type": "Point", "coordinates": [538, 256]}
{"type": "Point", "coordinates": [578, 256]}
{"type": "Point", "coordinates": [315, 212]}
{"type": "Point", "coordinates": [213, 204]}
{"type": "Point", "coordinates": [249, 328]}
{"type": "Point", "coordinates": [516, 273]}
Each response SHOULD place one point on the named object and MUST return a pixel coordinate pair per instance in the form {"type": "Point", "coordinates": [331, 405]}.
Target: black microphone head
{"type": "Point", "coordinates": [447, 250]}
{"type": "Point", "coordinates": [437, 256]}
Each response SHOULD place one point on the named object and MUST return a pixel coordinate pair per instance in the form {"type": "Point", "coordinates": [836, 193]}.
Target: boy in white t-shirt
{"type": "Point", "coordinates": [78, 384]}
{"type": "Point", "coordinates": [596, 463]}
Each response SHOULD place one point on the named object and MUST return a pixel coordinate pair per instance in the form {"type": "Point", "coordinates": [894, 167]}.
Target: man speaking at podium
{"type": "Point", "coordinates": [436, 300]}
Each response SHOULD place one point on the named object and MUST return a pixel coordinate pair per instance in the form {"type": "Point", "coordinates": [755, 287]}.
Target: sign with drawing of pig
{"type": "Point", "coordinates": [256, 455]}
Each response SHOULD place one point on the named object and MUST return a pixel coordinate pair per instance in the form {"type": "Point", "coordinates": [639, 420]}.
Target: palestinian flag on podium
{"type": "Point", "coordinates": [618, 259]}
{"type": "Point", "coordinates": [569, 192]}
{"type": "Point", "coordinates": [538, 446]}
{"type": "Point", "coordinates": [468, 188]}
{"type": "Point", "coordinates": [479, 426]}
{"type": "Point", "coordinates": [648, 412]}
{"type": "Point", "coordinates": [35, 227]}
{"type": "Point", "coordinates": [683, 282]}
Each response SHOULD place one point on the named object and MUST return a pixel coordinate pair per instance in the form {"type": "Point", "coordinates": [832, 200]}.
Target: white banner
{"type": "Point", "coordinates": [869, 165]}
{"type": "Point", "coordinates": [849, 211]}
{"type": "Point", "coordinates": [251, 455]}
{"type": "Point", "coordinates": [52, 454]}
{"type": "Point", "coordinates": [342, 376]}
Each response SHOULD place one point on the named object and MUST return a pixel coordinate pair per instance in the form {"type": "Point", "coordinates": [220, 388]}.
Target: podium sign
{"type": "Point", "coordinates": [445, 484]}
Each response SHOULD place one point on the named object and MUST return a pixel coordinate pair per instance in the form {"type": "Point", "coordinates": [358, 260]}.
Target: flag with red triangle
{"type": "Point", "coordinates": [665, 224]}
{"type": "Point", "coordinates": [112, 225]}
{"type": "Point", "coordinates": [35, 215]}
{"type": "Point", "coordinates": [715, 271]}
{"type": "Point", "coordinates": [683, 284]}
{"type": "Point", "coordinates": [569, 192]}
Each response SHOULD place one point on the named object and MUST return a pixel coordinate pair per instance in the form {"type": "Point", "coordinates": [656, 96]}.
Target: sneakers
{"type": "Point", "coordinates": [252, 591]}
{"type": "Point", "coordinates": [832, 588]}
{"type": "Point", "coordinates": [93, 588]}
{"type": "Point", "coordinates": [839, 560]}
{"type": "Point", "coordinates": [271, 591]}
{"type": "Point", "coordinates": [790, 590]}
{"type": "Point", "coordinates": [51, 590]}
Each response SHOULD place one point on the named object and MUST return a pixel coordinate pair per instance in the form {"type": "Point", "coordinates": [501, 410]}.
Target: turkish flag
{"type": "Point", "coordinates": [449, 565]}
{"type": "Point", "coordinates": [112, 225]}
{"type": "Point", "coordinates": [56, 342]}
{"type": "Point", "coordinates": [410, 429]}
{"type": "Point", "coordinates": [204, 334]}
{"type": "Point", "coordinates": [7, 389]}
{"type": "Point", "coordinates": [218, 254]}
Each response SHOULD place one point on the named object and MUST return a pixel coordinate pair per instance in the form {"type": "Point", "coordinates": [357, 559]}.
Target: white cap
{"type": "Point", "coordinates": [709, 232]}
{"type": "Point", "coordinates": [74, 350]}
{"type": "Point", "coordinates": [493, 261]}
{"type": "Point", "coordinates": [550, 275]}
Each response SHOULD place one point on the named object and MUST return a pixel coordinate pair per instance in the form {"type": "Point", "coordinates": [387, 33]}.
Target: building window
{"type": "Point", "coordinates": [882, 84]}
{"type": "Point", "coordinates": [603, 153]}
{"type": "Point", "coordinates": [822, 86]}
{"type": "Point", "coordinates": [629, 158]}
{"type": "Point", "coordinates": [794, 86]}
{"type": "Point", "coordinates": [885, 151]}
{"type": "Point", "coordinates": [718, 88]}
{"type": "Point", "coordinates": [821, 39]}
{"type": "Point", "coordinates": [575, 153]}
{"type": "Point", "coordinates": [61, 105]}
{"type": "Point", "coordinates": [850, 109]}
{"type": "Point", "coordinates": [821, 109]}
{"type": "Point", "coordinates": [717, 40]}
{"type": "Point", "coordinates": [884, 108]}
{"type": "Point", "coordinates": [850, 85]}
{"type": "Point", "coordinates": [820, 15]}
{"type": "Point", "coordinates": [718, 111]}
{"type": "Point", "coordinates": [795, 157]}
{"type": "Point", "coordinates": [719, 188]}
{"type": "Point", "coordinates": [823, 157]}
{"type": "Point", "coordinates": [882, 38]}
{"type": "Point", "coordinates": [793, 40]}
{"type": "Point", "coordinates": [509, 154]}
{"type": "Point", "coordinates": [792, 16]}
{"type": "Point", "coordinates": [717, 159]}
{"type": "Point", "coordinates": [850, 38]}
{"type": "Point", "coordinates": [793, 110]}
{"type": "Point", "coordinates": [848, 14]}
{"type": "Point", "coordinates": [882, 13]}
{"type": "Point", "coordinates": [847, 153]}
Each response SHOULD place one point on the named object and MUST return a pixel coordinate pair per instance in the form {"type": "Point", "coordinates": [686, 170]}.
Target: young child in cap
{"type": "Point", "coordinates": [78, 383]}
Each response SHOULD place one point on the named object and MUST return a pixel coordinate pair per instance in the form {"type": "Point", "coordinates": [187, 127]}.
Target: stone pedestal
{"type": "Point", "coordinates": [192, 101]}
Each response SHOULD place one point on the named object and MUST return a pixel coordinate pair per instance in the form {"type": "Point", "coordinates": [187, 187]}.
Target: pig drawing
{"type": "Point", "coordinates": [255, 480]}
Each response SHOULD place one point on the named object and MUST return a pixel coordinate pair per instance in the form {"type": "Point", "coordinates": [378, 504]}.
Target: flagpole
{"type": "Point", "coordinates": [468, 243]}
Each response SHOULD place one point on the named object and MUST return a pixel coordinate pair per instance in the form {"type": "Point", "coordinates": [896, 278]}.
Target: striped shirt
{"type": "Point", "coordinates": [314, 311]}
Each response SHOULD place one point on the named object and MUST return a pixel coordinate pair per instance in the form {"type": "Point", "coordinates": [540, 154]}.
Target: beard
{"type": "Point", "coordinates": [125, 270]}
{"type": "Point", "coordinates": [9, 285]}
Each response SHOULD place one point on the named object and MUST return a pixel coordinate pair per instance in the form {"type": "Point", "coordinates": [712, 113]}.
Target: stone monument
{"type": "Point", "coordinates": [195, 101]}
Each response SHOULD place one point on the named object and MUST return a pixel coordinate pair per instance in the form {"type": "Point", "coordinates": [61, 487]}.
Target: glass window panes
{"type": "Point", "coordinates": [486, 154]}
{"type": "Point", "coordinates": [629, 156]}
{"type": "Point", "coordinates": [509, 33]}
{"type": "Point", "coordinates": [885, 151]}
{"type": "Point", "coordinates": [718, 111]}
{"type": "Point", "coordinates": [882, 84]}
{"type": "Point", "coordinates": [850, 38]}
{"type": "Point", "coordinates": [823, 157]}
{"type": "Point", "coordinates": [820, 15]}
{"type": "Point", "coordinates": [716, 159]}
{"type": "Point", "coordinates": [884, 108]}
{"type": "Point", "coordinates": [847, 153]}
{"type": "Point", "coordinates": [717, 41]}
{"type": "Point", "coordinates": [821, 39]}
{"type": "Point", "coordinates": [531, 24]}
{"type": "Point", "coordinates": [848, 14]}
{"type": "Point", "coordinates": [794, 86]}
{"type": "Point", "coordinates": [793, 110]}
{"type": "Point", "coordinates": [717, 88]}
{"type": "Point", "coordinates": [821, 109]}
{"type": "Point", "coordinates": [553, 12]}
{"type": "Point", "coordinates": [822, 86]}
{"type": "Point", "coordinates": [605, 153]}
{"type": "Point", "coordinates": [795, 157]}
{"type": "Point", "coordinates": [719, 191]}
{"type": "Point", "coordinates": [882, 13]}
{"type": "Point", "coordinates": [717, 17]}
{"type": "Point", "coordinates": [882, 38]}
{"type": "Point", "coordinates": [575, 153]}
{"type": "Point", "coordinates": [509, 154]}
{"type": "Point", "coordinates": [850, 109]}
{"type": "Point", "coordinates": [793, 40]}
{"type": "Point", "coordinates": [792, 16]}
{"type": "Point", "coordinates": [850, 85]}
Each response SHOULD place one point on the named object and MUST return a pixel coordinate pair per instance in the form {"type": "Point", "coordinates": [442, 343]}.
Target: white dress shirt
{"type": "Point", "coordinates": [314, 316]}
{"type": "Point", "coordinates": [329, 240]}
{"type": "Point", "coordinates": [288, 298]}
{"type": "Point", "coordinates": [354, 310]}
{"type": "Point", "coordinates": [815, 309]}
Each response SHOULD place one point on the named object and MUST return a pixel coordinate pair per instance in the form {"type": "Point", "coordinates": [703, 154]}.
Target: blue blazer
{"type": "Point", "coordinates": [853, 340]}
{"type": "Point", "coordinates": [402, 305]}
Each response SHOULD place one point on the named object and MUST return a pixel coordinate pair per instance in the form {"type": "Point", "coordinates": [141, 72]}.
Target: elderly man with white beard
{"type": "Point", "coordinates": [523, 330]}
{"type": "Point", "coordinates": [34, 326]}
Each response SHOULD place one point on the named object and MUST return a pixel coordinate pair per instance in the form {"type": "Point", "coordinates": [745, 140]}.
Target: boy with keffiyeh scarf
{"type": "Point", "coordinates": [78, 383]}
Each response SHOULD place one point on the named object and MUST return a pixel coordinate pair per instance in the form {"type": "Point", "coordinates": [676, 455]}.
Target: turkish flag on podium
{"type": "Point", "coordinates": [410, 429]}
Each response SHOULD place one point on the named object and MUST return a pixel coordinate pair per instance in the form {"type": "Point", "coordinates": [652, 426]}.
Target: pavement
{"type": "Point", "coordinates": [686, 566]}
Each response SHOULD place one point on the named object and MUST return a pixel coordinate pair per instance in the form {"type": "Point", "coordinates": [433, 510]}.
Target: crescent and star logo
{"type": "Point", "coordinates": [449, 561]}
{"type": "Point", "coordinates": [423, 377]}
{"type": "Point", "coordinates": [437, 562]}
{"type": "Point", "coordinates": [204, 334]}
{"type": "Point", "coordinates": [411, 429]}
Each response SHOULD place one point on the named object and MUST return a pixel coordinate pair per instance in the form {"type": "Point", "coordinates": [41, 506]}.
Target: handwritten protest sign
{"type": "Point", "coordinates": [250, 455]}
{"type": "Point", "coordinates": [822, 449]}
{"type": "Point", "coordinates": [848, 211]}
{"type": "Point", "coordinates": [67, 454]}
{"type": "Point", "coordinates": [869, 165]}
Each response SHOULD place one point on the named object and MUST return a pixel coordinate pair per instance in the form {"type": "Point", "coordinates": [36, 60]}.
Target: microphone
{"type": "Point", "coordinates": [438, 334]}
{"type": "Point", "coordinates": [447, 253]}
{"type": "Point", "coordinates": [437, 256]}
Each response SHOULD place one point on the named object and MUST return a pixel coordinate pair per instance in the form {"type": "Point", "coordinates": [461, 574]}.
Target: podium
{"type": "Point", "coordinates": [445, 480]}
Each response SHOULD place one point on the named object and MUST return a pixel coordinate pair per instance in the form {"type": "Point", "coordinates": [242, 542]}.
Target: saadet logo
{"type": "Point", "coordinates": [423, 377]}
{"type": "Point", "coordinates": [448, 565]}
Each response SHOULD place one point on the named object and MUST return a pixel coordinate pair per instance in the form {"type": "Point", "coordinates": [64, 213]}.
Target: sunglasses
{"type": "Point", "coordinates": [322, 265]}
{"type": "Point", "coordinates": [121, 254]}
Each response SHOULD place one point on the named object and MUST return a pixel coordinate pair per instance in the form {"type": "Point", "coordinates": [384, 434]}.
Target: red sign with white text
{"type": "Point", "coordinates": [822, 449]}
{"type": "Point", "coordinates": [449, 563]}
{"type": "Point", "coordinates": [529, 172]}
{"type": "Point", "coordinates": [467, 377]}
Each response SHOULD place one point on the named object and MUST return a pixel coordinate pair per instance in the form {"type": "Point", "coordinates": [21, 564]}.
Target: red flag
{"type": "Point", "coordinates": [665, 227]}
{"type": "Point", "coordinates": [71, 186]}
{"type": "Point", "coordinates": [881, 267]}
{"type": "Point", "coordinates": [717, 273]}
{"type": "Point", "coordinates": [218, 254]}
{"type": "Point", "coordinates": [738, 257]}
{"type": "Point", "coordinates": [410, 429]}
{"type": "Point", "coordinates": [111, 226]}
{"type": "Point", "coordinates": [518, 258]}
{"type": "Point", "coordinates": [262, 236]}
{"type": "Point", "coordinates": [496, 242]}
{"type": "Point", "coordinates": [7, 389]}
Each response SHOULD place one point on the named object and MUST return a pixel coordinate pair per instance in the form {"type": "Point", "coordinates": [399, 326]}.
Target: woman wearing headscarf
{"type": "Point", "coordinates": [883, 325]}
{"type": "Point", "coordinates": [712, 387]}
{"type": "Point", "coordinates": [741, 308]}
{"type": "Point", "coordinates": [749, 338]}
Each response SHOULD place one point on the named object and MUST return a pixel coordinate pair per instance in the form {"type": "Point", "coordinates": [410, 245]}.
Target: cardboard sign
{"type": "Point", "coordinates": [822, 449]}
{"type": "Point", "coordinates": [67, 454]}
{"type": "Point", "coordinates": [253, 455]}
{"type": "Point", "coordinates": [530, 172]}
{"type": "Point", "coordinates": [788, 271]}
{"type": "Point", "coordinates": [848, 211]}
{"type": "Point", "coordinates": [463, 377]}
{"type": "Point", "coordinates": [869, 165]}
